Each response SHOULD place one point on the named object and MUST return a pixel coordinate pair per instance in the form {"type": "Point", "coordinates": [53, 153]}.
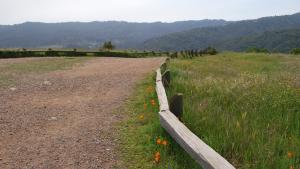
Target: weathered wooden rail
{"type": "Point", "coordinates": [195, 147]}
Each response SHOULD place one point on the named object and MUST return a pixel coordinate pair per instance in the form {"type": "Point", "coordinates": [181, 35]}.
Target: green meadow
{"type": "Point", "coordinates": [246, 106]}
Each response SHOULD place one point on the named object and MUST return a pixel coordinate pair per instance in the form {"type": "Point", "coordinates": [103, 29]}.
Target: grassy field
{"type": "Point", "coordinates": [10, 71]}
{"type": "Point", "coordinates": [245, 106]}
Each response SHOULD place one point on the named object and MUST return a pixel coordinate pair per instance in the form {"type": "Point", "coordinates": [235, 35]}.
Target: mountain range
{"type": "Point", "coordinates": [91, 34]}
{"type": "Point", "coordinates": [276, 33]}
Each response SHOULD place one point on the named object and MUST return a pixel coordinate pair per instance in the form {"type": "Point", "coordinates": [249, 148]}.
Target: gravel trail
{"type": "Point", "coordinates": [65, 119]}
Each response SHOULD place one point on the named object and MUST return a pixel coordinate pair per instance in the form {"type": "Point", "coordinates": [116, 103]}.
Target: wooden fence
{"type": "Point", "coordinates": [195, 147]}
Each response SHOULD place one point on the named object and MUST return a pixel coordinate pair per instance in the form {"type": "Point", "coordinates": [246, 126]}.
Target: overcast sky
{"type": "Point", "coordinates": [19, 11]}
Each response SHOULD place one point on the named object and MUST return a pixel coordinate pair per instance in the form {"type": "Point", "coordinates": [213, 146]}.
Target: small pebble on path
{"type": "Point", "coordinates": [47, 83]}
{"type": "Point", "coordinates": [53, 118]}
{"type": "Point", "coordinates": [13, 88]}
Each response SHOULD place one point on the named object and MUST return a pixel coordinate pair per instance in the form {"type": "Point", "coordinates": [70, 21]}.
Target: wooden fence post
{"type": "Point", "coordinates": [168, 60]}
{"type": "Point", "coordinates": [176, 105]}
{"type": "Point", "coordinates": [166, 78]}
{"type": "Point", "coordinates": [163, 67]}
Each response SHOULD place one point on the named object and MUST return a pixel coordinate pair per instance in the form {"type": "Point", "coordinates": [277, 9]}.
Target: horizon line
{"type": "Point", "coordinates": [145, 22]}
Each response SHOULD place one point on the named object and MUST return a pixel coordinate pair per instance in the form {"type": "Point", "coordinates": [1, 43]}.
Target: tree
{"type": "Point", "coordinates": [108, 46]}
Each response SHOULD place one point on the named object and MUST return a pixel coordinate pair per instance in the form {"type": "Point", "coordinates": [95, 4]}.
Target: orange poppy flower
{"type": "Point", "coordinates": [290, 154]}
{"type": "Point", "coordinates": [153, 102]}
{"type": "Point", "coordinates": [291, 167]}
{"type": "Point", "coordinates": [158, 141]}
{"type": "Point", "coordinates": [157, 157]}
{"type": "Point", "coordinates": [142, 117]}
{"type": "Point", "coordinates": [164, 143]}
{"type": "Point", "coordinates": [150, 89]}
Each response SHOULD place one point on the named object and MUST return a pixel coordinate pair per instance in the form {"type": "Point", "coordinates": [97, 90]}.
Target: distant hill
{"type": "Point", "coordinates": [279, 33]}
{"type": "Point", "coordinates": [92, 34]}
{"type": "Point", "coordinates": [274, 41]}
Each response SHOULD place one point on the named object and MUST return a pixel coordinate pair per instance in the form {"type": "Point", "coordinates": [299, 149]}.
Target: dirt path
{"type": "Point", "coordinates": [65, 119]}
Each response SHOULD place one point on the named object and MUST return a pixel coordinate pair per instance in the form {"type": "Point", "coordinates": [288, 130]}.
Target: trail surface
{"type": "Point", "coordinates": [65, 119]}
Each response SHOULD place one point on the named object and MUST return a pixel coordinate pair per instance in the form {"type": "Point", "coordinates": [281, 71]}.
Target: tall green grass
{"type": "Point", "coordinates": [245, 106]}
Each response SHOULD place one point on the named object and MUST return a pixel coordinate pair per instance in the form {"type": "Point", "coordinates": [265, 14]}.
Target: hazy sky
{"type": "Point", "coordinates": [18, 11]}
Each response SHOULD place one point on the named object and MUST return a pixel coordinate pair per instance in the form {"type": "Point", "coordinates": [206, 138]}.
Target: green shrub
{"type": "Point", "coordinates": [257, 50]}
{"type": "Point", "coordinates": [295, 51]}
{"type": "Point", "coordinates": [50, 52]}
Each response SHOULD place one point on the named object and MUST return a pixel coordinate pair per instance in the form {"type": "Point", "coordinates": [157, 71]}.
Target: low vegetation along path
{"type": "Point", "coordinates": [65, 118]}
